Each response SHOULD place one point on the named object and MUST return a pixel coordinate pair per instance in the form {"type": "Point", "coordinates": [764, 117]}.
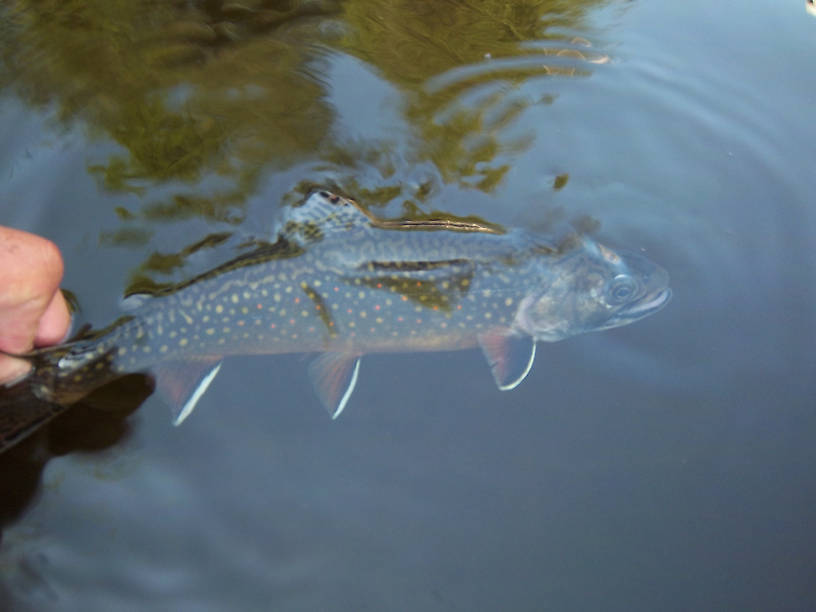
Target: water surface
{"type": "Point", "coordinates": [665, 465]}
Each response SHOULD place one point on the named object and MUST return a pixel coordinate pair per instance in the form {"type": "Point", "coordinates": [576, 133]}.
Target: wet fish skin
{"type": "Point", "coordinates": [342, 283]}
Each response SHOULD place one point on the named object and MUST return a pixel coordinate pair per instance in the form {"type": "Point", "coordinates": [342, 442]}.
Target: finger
{"type": "Point", "coordinates": [12, 369]}
{"type": "Point", "coordinates": [30, 272]}
{"type": "Point", "coordinates": [54, 323]}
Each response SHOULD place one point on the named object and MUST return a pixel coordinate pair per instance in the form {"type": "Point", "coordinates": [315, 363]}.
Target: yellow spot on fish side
{"type": "Point", "coordinates": [234, 297]}
{"type": "Point", "coordinates": [219, 309]}
{"type": "Point", "coordinates": [183, 342]}
{"type": "Point", "coordinates": [209, 331]}
{"type": "Point", "coordinates": [508, 301]}
{"type": "Point", "coordinates": [164, 348]}
{"type": "Point", "coordinates": [122, 351]}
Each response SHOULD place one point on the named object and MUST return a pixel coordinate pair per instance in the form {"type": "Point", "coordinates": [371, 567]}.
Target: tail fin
{"type": "Point", "coordinates": [21, 412]}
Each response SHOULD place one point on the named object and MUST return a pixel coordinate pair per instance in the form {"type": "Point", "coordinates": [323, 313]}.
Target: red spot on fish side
{"type": "Point", "coordinates": [436, 307]}
{"type": "Point", "coordinates": [272, 326]}
{"type": "Point", "coordinates": [376, 306]}
{"type": "Point", "coordinates": [400, 319]}
{"type": "Point", "coordinates": [297, 300]}
{"type": "Point", "coordinates": [379, 285]}
{"type": "Point", "coordinates": [458, 307]}
{"type": "Point", "coordinates": [404, 298]}
{"type": "Point", "coordinates": [317, 306]}
{"type": "Point", "coordinates": [348, 310]}
{"type": "Point", "coordinates": [337, 288]}
{"type": "Point", "coordinates": [291, 321]}
{"type": "Point", "coordinates": [259, 306]}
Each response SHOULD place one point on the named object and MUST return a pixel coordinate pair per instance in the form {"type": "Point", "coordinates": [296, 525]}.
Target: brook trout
{"type": "Point", "coordinates": [341, 282]}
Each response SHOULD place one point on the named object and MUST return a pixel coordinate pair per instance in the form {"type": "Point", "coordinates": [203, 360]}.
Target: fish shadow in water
{"type": "Point", "coordinates": [96, 423]}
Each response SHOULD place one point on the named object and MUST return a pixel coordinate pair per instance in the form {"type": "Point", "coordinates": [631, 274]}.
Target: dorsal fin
{"type": "Point", "coordinates": [325, 214]}
{"type": "Point", "coordinates": [321, 216]}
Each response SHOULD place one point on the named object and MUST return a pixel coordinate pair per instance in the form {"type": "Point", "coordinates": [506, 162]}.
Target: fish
{"type": "Point", "coordinates": [341, 282]}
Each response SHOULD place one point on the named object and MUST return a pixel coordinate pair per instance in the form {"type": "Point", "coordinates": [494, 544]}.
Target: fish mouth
{"type": "Point", "coordinates": [650, 305]}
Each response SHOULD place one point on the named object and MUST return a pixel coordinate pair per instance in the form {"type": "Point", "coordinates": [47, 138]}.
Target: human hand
{"type": "Point", "coordinates": [33, 311]}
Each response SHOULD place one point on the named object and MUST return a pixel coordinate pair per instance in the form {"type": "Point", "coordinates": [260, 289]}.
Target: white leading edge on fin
{"type": "Point", "coordinates": [349, 390]}
{"type": "Point", "coordinates": [512, 385]}
{"type": "Point", "coordinates": [190, 404]}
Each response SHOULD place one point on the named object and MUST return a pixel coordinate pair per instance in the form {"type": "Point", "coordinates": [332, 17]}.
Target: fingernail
{"type": "Point", "coordinates": [13, 370]}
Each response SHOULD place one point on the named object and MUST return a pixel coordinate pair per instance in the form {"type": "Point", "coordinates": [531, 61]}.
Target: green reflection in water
{"type": "Point", "coordinates": [441, 54]}
{"type": "Point", "coordinates": [186, 89]}
{"type": "Point", "coordinates": [225, 91]}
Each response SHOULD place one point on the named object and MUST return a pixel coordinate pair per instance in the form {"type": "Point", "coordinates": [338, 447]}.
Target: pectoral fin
{"type": "Point", "coordinates": [333, 377]}
{"type": "Point", "coordinates": [510, 357]}
{"type": "Point", "coordinates": [182, 383]}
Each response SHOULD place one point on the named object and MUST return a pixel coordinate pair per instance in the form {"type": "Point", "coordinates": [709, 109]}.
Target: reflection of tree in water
{"type": "Point", "coordinates": [187, 89]}
{"type": "Point", "coordinates": [458, 64]}
{"type": "Point", "coordinates": [205, 96]}
{"type": "Point", "coordinates": [225, 89]}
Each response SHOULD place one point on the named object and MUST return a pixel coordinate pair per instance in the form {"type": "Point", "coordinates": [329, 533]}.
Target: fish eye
{"type": "Point", "coordinates": [621, 289]}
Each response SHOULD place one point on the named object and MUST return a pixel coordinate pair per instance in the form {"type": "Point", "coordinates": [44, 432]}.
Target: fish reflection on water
{"type": "Point", "coordinates": [342, 282]}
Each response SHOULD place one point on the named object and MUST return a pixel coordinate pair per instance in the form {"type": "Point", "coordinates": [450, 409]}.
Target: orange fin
{"type": "Point", "coordinates": [509, 356]}
{"type": "Point", "coordinates": [333, 377]}
{"type": "Point", "coordinates": [182, 383]}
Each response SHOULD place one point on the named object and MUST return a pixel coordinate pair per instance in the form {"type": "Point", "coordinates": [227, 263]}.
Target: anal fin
{"type": "Point", "coordinates": [509, 356]}
{"type": "Point", "coordinates": [333, 377]}
{"type": "Point", "coordinates": [183, 383]}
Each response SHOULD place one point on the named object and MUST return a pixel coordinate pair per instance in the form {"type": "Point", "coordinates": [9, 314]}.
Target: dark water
{"type": "Point", "coordinates": [667, 465]}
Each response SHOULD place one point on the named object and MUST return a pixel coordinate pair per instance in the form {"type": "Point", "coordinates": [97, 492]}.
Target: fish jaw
{"type": "Point", "coordinates": [592, 288]}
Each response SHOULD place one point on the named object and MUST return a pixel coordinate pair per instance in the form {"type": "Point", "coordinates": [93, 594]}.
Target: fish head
{"type": "Point", "coordinates": [591, 287]}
